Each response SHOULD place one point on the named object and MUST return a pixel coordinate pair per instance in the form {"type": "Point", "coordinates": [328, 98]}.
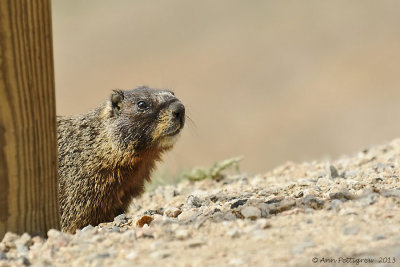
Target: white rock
{"type": "Point", "coordinates": [251, 212]}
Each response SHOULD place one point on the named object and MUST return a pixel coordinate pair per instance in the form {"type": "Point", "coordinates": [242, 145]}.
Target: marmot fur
{"type": "Point", "coordinates": [107, 154]}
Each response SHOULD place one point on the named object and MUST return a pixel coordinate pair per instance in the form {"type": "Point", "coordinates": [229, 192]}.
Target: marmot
{"type": "Point", "coordinates": [107, 154]}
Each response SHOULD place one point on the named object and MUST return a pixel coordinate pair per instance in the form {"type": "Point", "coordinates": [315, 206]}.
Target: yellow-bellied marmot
{"type": "Point", "coordinates": [105, 155]}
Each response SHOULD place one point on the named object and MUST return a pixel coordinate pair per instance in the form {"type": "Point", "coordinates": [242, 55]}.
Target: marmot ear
{"type": "Point", "coordinates": [116, 101]}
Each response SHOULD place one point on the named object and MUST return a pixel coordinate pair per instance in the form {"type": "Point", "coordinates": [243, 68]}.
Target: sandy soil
{"type": "Point", "coordinates": [321, 213]}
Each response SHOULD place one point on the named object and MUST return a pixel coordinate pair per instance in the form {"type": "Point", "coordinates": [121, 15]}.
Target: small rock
{"type": "Point", "coordinates": [120, 219]}
{"type": "Point", "coordinates": [379, 237]}
{"type": "Point", "coordinates": [263, 223]}
{"type": "Point", "coordinates": [233, 233]}
{"type": "Point", "coordinates": [172, 212]}
{"type": "Point", "coordinates": [22, 261]}
{"type": "Point", "coordinates": [145, 232]}
{"type": "Point", "coordinates": [193, 201]}
{"type": "Point", "coordinates": [324, 182]}
{"type": "Point", "coordinates": [309, 211]}
{"type": "Point", "coordinates": [285, 204]}
{"type": "Point", "coordinates": [238, 203]}
{"type": "Point", "coordinates": [9, 239]}
{"type": "Point", "coordinates": [229, 216]}
{"type": "Point", "coordinates": [55, 238]}
{"type": "Point", "coordinates": [188, 215]}
{"type": "Point", "coordinates": [145, 219]}
{"type": "Point", "coordinates": [351, 230]}
{"type": "Point", "coordinates": [2, 256]}
{"type": "Point", "coordinates": [348, 211]}
{"type": "Point", "coordinates": [342, 194]}
{"type": "Point", "coordinates": [274, 200]}
{"type": "Point", "coordinates": [306, 182]}
{"type": "Point", "coordinates": [237, 262]}
{"type": "Point", "coordinates": [22, 250]}
{"type": "Point", "coordinates": [194, 243]}
{"type": "Point", "coordinates": [333, 172]}
{"type": "Point", "coordinates": [390, 192]}
{"type": "Point", "coordinates": [376, 180]}
{"type": "Point", "coordinates": [97, 256]}
{"type": "Point", "coordinates": [161, 254]}
{"type": "Point", "coordinates": [264, 193]}
{"type": "Point", "coordinates": [335, 204]}
{"type": "Point", "coordinates": [351, 174]}
{"type": "Point", "coordinates": [24, 240]}
{"type": "Point", "coordinates": [298, 194]}
{"type": "Point", "coordinates": [182, 234]}
{"type": "Point", "coordinates": [131, 255]}
{"type": "Point", "coordinates": [128, 235]}
{"type": "Point", "coordinates": [250, 212]}
{"type": "Point", "coordinates": [368, 197]}
{"type": "Point", "coordinates": [291, 185]}
{"type": "Point", "coordinates": [313, 202]}
{"type": "Point", "coordinates": [159, 211]}
{"type": "Point", "coordinates": [115, 229]}
{"type": "Point", "coordinates": [88, 228]}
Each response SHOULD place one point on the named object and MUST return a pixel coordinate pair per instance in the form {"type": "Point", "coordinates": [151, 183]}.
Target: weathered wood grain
{"type": "Point", "coordinates": [28, 151]}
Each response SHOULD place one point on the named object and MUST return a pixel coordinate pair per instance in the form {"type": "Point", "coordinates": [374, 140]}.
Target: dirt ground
{"type": "Point", "coordinates": [322, 213]}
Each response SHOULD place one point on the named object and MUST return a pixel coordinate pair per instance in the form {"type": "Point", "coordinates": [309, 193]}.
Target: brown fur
{"type": "Point", "coordinates": [107, 154]}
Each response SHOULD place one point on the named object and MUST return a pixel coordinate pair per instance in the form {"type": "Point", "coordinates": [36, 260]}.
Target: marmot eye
{"type": "Point", "coordinates": [142, 105]}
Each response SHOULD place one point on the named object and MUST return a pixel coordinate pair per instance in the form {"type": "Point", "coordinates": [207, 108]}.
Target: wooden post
{"type": "Point", "coordinates": [28, 140]}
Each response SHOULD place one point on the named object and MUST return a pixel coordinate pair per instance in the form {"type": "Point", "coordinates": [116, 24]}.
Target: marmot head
{"type": "Point", "coordinates": [145, 118]}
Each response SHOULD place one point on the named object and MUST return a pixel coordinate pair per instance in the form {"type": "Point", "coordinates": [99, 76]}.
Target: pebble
{"type": "Point", "coordinates": [324, 182]}
{"type": "Point", "coordinates": [390, 192]}
{"type": "Point", "coordinates": [120, 219]}
{"type": "Point", "coordinates": [161, 254]}
{"type": "Point", "coordinates": [351, 230]}
{"type": "Point", "coordinates": [172, 212]}
{"type": "Point", "coordinates": [263, 223]}
{"type": "Point", "coordinates": [351, 174]}
{"type": "Point", "coordinates": [250, 212]}
{"type": "Point", "coordinates": [145, 219]}
{"type": "Point", "coordinates": [306, 182]}
{"type": "Point", "coordinates": [88, 228]}
{"type": "Point", "coordinates": [285, 204]}
{"type": "Point", "coordinates": [182, 234]}
{"type": "Point", "coordinates": [342, 194]}
{"type": "Point", "coordinates": [22, 250]}
{"type": "Point", "coordinates": [9, 239]}
{"type": "Point", "coordinates": [333, 172]}
{"type": "Point", "coordinates": [238, 203]}
{"type": "Point", "coordinates": [188, 215]}
{"type": "Point", "coordinates": [97, 256]}
{"type": "Point", "coordinates": [368, 198]}
{"type": "Point", "coordinates": [193, 243]}
{"type": "Point", "coordinates": [131, 255]}
{"type": "Point", "coordinates": [233, 233]}
{"type": "Point", "coordinates": [379, 237]}
{"type": "Point", "coordinates": [298, 194]}
{"type": "Point", "coordinates": [335, 204]}
{"type": "Point", "coordinates": [193, 201]}
{"type": "Point", "coordinates": [313, 202]}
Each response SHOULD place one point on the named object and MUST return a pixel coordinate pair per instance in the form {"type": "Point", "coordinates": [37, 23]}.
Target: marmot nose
{"type": "Point", "coordinates": [178, 112]}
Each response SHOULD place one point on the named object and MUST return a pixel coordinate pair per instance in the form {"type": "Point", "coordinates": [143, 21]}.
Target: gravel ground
{"type": "Point", "coordinates": [331, 213]}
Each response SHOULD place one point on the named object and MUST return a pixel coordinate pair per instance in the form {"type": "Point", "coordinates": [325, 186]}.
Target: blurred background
{"type": "Point", "coordinates": [270, 80]}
